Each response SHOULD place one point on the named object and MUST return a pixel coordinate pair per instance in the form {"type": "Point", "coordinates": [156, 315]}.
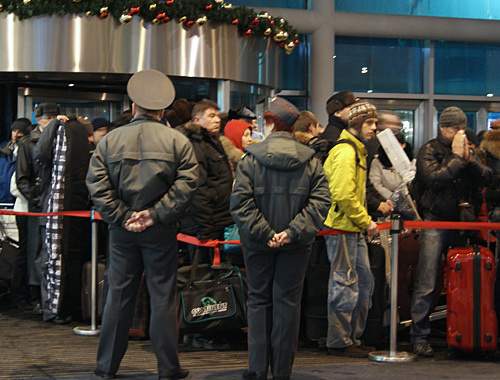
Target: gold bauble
{"type": "Point", "coordinates": [155, 21]}
{"type": "Point", "coordinates": [268, 31]}
{"type": "Point", "coordinates": [263, 14]}
{"type": "Point", "coordinates": [219, 1]}
{"type": "Point", "coordinates": [26, 1]}
{"type": "Point", "coordinates": [285, 36]}
{"type": "Point", "coordinates": [1, 7]}
{"type": "Point", "coordinates": [76, 1]}
{"type": "Point", "coordinates": [279, 36]}
{"type": "Point", "coordinates": [125, 19]}
{"type": "Point", "coordinates": [288, 51]}
{"type": "Point", "coordinates": [290, 46]}
{"type": "Point", "coordinates": [202, 20]}
{"type": "Point", "coordinates": [228, 5]}
{"type": "Point", "coordinates": [152, 7]}
{"type": "Point", "coordinates": [104, 10]}
{"type": "Point", "coordinates": [282, 22]}
{"type": "Point", "coordinates": [88, 13]}
{"type": "Point", "coordinates": [183, 18]}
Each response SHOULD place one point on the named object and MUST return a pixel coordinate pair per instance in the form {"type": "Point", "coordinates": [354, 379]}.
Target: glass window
{"type": "Point", "coordinates": [378, 65]}
{"type": "Point", "coordinates": [492, 116]}
{"type": "Point", "coordinates": [466, 69]}
{"type": "Point", "coordinates": [295, 4]}
{"type": "Point", "coordinates": [294, 66]}
{"type": "Point", "coordinates": [481, 9]}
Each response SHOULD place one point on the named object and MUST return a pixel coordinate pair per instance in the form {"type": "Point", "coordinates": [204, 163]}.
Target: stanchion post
{"type": "Point", "coordinates": [393, 355]}
{"type": "Point", "coordinates": [93, 330]}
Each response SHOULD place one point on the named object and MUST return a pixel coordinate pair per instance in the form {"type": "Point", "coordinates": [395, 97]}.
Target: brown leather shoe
{"type": "Point", "coordinates": [351, 351]}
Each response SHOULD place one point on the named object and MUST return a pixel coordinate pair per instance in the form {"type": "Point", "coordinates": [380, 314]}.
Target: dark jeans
{"type": "Point", "coordinates": [19, 286]}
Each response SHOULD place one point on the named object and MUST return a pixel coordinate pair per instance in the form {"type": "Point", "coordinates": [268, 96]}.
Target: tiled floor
{"type": "Point", "coordinates": [32, 349]}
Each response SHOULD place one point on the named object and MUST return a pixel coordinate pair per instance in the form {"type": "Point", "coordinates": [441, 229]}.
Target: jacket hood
{"type": "Point", "coordinates": [281, 151]}
{"type": "Point", "coordinates": [190, 128]}
{"type": "Point", "coordinates": [491, 143]}
{"type": "Point", "coordinates": [303, 137]}
{"type": "Point", "coordinates": [233, 153]}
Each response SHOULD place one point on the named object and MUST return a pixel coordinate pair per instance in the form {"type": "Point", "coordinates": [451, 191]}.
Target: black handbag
{"type": "Point", "coordinates": [211, 298]}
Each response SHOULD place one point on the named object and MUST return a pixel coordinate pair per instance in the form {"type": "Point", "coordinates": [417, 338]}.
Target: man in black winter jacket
{"type": "Point", "coordinates": [208, 214]}
{"type": "Point", "coordinates": [447, 184]}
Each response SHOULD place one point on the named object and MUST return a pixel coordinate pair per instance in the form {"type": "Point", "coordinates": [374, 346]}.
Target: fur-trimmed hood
{"type": "Point", "coordinates": [303, 137]}
{"type": "Point", "coordinates": [491, 143]}
{"type": "Point", "coordinates": [233, 153]}
{"type": "Point", "coordinates": [190, 128]}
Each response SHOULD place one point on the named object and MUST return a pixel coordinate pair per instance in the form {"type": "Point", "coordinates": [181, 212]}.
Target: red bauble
{"type": "Point", "coordinates": [161, 16]}
{"type": "Point", "coordinates": [102, 16]}
{"type": "Point", "coordinates": [296, 42]}
{"type": "Point", "coordinates": [165, 20]}
{"type": "Point", "coordinates": [247, 33]}
{"type": "Point", "coordinates": [253, 23]}
{"type": "Point", "coordinates": [209, 7]}
{"type": "Point", "coordinates": [169, 2]}
{"type": "Point", "coordinates": [282, 44]}
{"type": "Point", "coordinates": [134, 11]}
{"type": "Point", "coordinates": [271, 22]}
{"type": "Point", "coordinates": [189, 23]}
{"type": "Point", "coordinates": [234, 22]}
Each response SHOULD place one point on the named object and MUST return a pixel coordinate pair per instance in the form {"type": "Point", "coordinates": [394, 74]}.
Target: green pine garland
{"type": "Point", "coordinates": [191, 13]}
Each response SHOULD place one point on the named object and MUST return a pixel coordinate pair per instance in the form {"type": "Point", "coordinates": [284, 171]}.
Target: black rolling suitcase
{"type": "Point", "coordinates": [87, 289]}
{"type": "Point", "coordinates": [8, 252]}
{"type": "Point", "coordinates": [314, 321]}
{"type": "Point", "coordinates": [376, 334]}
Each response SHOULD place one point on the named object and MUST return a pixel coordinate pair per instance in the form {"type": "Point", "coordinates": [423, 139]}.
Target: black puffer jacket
{"type": "Point", "coordinates": [443, 180]}
{"type": "Point", "coordinates": [32, 175]}
{"type": "Point", "coordinates": [279, 187]}
{"type": "Point", "coordinates": [208, 214]}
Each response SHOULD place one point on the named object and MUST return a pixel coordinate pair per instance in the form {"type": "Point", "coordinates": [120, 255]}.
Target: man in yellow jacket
{"type": "Point", "coordinates": [351, 281]}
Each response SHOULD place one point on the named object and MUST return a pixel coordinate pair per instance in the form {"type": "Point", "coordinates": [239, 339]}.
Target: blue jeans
{"type": "Point", "coordinates": [348, 305]}
{"type": "Point", "coordinates": [432, 244]}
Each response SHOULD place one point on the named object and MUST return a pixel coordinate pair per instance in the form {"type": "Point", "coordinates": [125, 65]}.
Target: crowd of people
{"type": "Point", "coordinates": [151, 174]}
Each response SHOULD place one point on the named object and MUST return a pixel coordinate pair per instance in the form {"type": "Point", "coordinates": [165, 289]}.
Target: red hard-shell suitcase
{"type": "Point", "coordinates": [471, 319]}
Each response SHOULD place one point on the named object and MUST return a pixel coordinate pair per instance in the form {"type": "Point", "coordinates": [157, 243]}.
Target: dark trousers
{"type": "Point", "coordinates": [19, 287]}
{"type": "Point", "coordinates": [155, 252]}
{"type": "Point", "coordinates": [275, 283]}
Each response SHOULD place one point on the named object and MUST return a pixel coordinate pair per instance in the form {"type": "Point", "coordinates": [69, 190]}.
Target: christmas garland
{"type": "Point", "coordinates": [187, 12]}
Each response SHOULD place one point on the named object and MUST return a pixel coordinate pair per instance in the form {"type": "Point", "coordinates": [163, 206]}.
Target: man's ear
{"type": "Point", "coordinates": [338, 113]}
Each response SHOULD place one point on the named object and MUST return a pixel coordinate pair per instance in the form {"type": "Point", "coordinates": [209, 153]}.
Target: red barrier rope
{"type": "Point", "coordinates": [217, 243]}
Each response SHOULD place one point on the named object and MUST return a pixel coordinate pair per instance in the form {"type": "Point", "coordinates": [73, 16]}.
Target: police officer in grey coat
{"type": "Point", "coordinates": [141, 178]}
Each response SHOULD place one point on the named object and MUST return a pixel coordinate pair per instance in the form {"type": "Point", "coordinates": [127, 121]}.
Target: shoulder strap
{"type": "Point", "coordinates": [351, 143]}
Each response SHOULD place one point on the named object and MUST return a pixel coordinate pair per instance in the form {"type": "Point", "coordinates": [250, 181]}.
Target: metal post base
{"type": "Point", "coordinates": [86, 330]}
{"type": "Point", "coordinates": [395, 357]}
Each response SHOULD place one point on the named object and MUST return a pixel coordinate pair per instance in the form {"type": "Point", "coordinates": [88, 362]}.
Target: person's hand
{"type": "Point", "coordinates": [385, 207]}
{"type": "Point", "coordinates": [278, 240]}
{"type": "Point", "coordinates": [459, 145]}
{"type": "Point", "coordinates": [139, 221]}
{"type": "Point", "coordinates": [62, 117]}
{"type": "Point", "coordinates": [372, 229]}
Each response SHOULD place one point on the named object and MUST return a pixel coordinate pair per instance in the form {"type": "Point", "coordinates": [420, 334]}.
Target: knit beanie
{"type": "Point", "coordinates": [451, 117]}
{"type": "Point", "coordinates": [234, 131]}
{"type": "Point", "coordinates": [359, 113]}
{"type": "Point", "coordinates": [339, 101]}
{"type": "Point", "coordinates": [22, 125]}
{"type": "Point", "coordinates": [284, 110]}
